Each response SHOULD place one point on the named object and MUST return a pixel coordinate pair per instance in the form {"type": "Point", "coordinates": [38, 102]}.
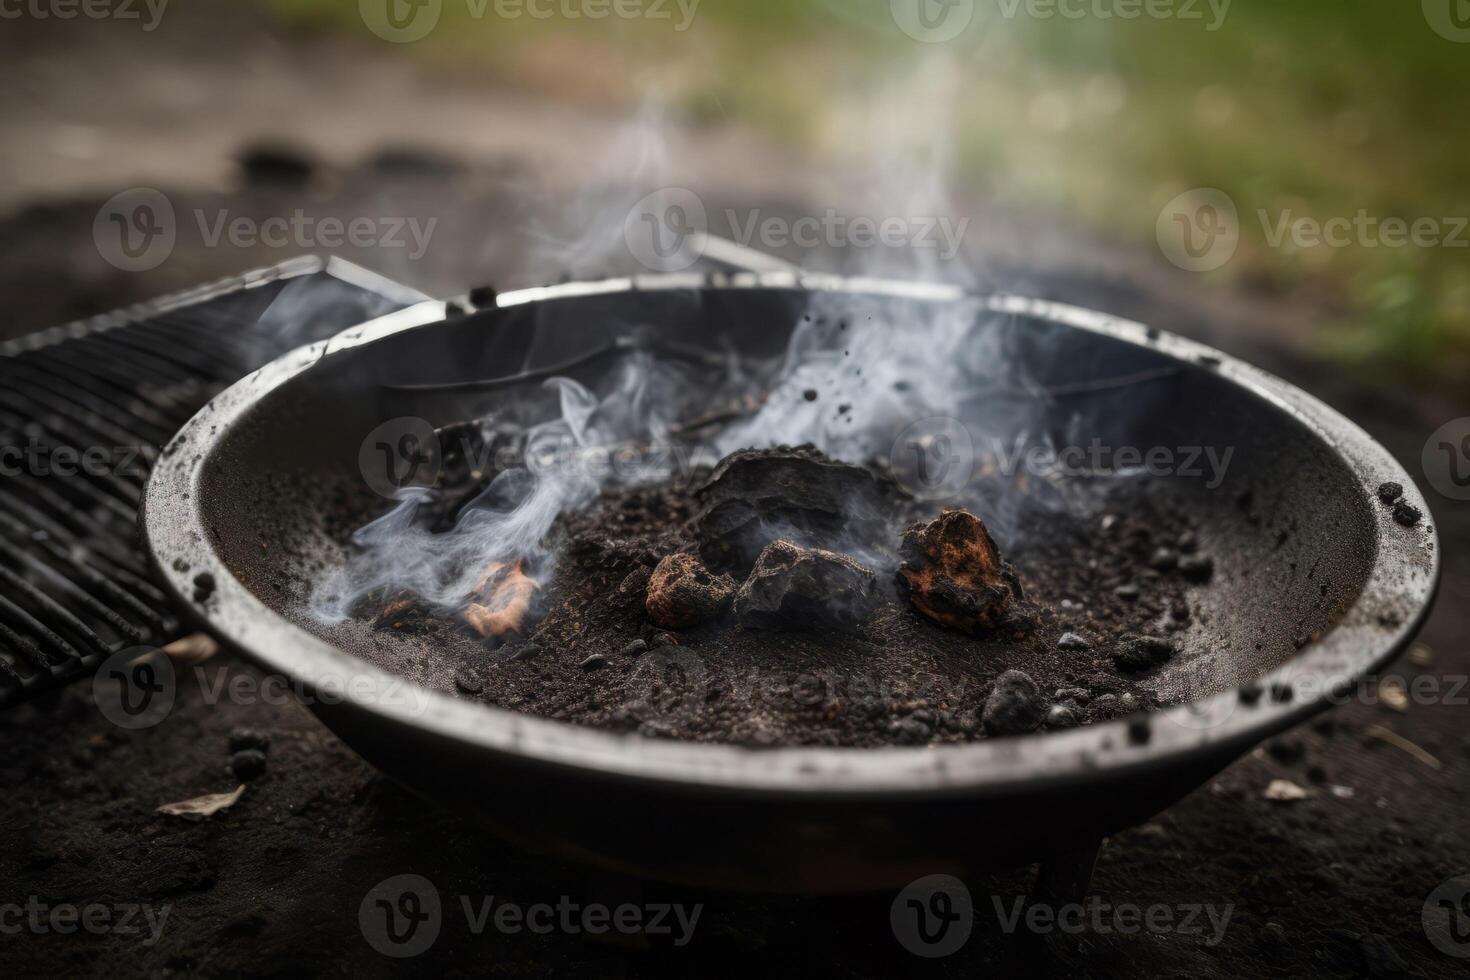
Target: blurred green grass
{"type": "Point", "coordinates": [1323, 108]}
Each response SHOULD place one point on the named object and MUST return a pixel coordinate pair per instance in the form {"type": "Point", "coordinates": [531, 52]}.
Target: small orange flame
{"type": "Point", "coordinates": [501, 599]}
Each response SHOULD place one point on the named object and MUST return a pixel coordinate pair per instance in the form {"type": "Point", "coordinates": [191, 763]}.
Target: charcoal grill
{"type": "Point", "coordinates": [797, 818]}
{"type": "Point", "coordinates": [75, 585]}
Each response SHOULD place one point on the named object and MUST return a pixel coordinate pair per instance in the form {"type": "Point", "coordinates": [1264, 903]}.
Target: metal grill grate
{"type": "Point", "coordinates": [84, 409]}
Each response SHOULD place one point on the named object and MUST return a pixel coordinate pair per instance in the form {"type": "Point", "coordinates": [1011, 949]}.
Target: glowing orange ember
{"type": "Point", "coordinates": [501, 599]}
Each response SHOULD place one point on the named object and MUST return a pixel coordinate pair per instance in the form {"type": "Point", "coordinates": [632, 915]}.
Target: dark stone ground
{"type": "Point", "coordinates": [1330, 885]}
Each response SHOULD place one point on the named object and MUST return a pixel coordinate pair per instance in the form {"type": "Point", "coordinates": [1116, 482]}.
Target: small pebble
{"type": "Point", "coordinates": [636, 649]}
{"type": "Point", "coordinates": [1061, 716]}
{"type": "Point", "coordinates": [249, 738]}
{"type": "Point", "coordinates": [1014, 706]}
{"type": "Point", "coordinates": [1197, 568]}
{"type": "Point", "coordinates": [911, 731]}
{"type": "Point", "coordinates": [1139, 653]}
{"type": "Point", "coordinates": [810, 394]}
{"type": "Point", "coordinates": [1128, 702]}
{"type": "Point", "coordinates": [528, 652]}
{"type": "Point", "coordinates": [1072, 641]}
{"type": "Point", "coordinates": [248, 764]}
{"type": "Point", "coordinates": [1128, 590]}
{"type": "Point", "coordinates": [1389, 492]}
{"type": "Point", "coordinates": [665, 640]}
{"type": "Point", "coordinates": [467, 682]}
{"type": "Point", "coordinates": [595, 662]}
{"type": "Point", "coordinates": [1080, 695]}
{"type": "Point", "coordinates": [1163, 559]}
{"type": "Point", "coordinates": [1406, 513]}
{"type": "Point", "coordinates": [1105, 704]}
{"type": "Point", "coordinates": [1188, 541]}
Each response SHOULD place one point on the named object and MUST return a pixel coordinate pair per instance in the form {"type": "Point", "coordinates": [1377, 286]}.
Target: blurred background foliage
{"type": "Point", "coordinates": [1318, 109]}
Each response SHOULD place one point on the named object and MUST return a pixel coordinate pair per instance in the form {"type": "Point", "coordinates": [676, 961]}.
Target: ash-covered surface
{"type": "Point", "coordinates": [1094, 584]}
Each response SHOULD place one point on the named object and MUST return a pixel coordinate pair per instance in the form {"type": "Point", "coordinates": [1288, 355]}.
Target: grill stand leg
{"type": "Point", "coordinates": [1064, 876]}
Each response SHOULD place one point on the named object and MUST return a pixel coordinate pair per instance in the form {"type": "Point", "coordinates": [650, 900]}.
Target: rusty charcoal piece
{"type": "Point", "coordinates": [954, 575]}
{"type": "Point", "coordinates": [501, 599]}
{"type": "Point", "coordinates": [683, 593]}
{"type": "Point", "coordinates": [801, 588]}
{"type": "Point", "coordinates": [755, 496]}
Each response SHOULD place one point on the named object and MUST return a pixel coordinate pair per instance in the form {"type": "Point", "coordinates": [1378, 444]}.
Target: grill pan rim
{"type": "Point", "coordinates": [1405, 570]}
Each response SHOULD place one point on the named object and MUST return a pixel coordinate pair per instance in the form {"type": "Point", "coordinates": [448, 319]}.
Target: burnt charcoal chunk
{"type": "Point", "coordinates": [466, 452]}
{"type": "Point", "coordinates": [804, 588]}
{"type": "Point", "coordinates": [953, 573]}
{"type": "Point", "coordinates": [248, 764]}
{"type": "Point", "coordinates": [1197, 568]}
{"type": "Point", "coordinates": [683, 593]}
{"type": "Point", "coordinates": [1014, 706]}
{"type": "Point", "coordinates": [1389, 492]}
{"type": "Point", "coordinates": [1406, 513]}
{"type": "Point", "coordinates": [1139, 653]}
{"type": "Point", "coordinates": [249, 738]}
{"type": "Point", "coordinates": [755, 496]}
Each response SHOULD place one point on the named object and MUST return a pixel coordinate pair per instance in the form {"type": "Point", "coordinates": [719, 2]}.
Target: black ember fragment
{"type": "Point", "coordinates": [1390, 491]}
{"type": "Point", "coordinates": [1197, 568]}
{"type": "Point", "coordinates": [249, 738]}
{"type": "Point", "coordinates": [248, 764]}
{"type": "Point", "coordinates": [801, 588]}
{"type": "Point", "coordinates": [1139, 653]}
{"type": "Point", "coordinates": [1014, 706]}
{"type": "Point", "coordinates": [1406, 513]}
{"type": "Point", "coordinates": [755, 496]}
